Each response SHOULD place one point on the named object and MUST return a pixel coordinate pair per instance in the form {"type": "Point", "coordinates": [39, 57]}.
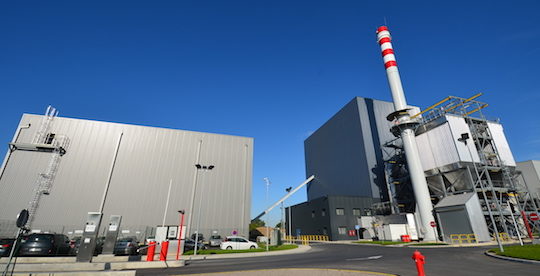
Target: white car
{"type": "Point", "coordinates": [237, 243]}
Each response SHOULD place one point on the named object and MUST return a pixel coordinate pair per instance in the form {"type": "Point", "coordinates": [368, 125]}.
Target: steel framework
{"type": "Point", "coordinates": [501, 192]}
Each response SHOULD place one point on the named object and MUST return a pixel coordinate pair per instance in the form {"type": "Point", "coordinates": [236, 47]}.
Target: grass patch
{"type": "Point", "coordinates": [380, 242]}
{"type": "Point", "coordinates": [528, 251]}
{"type": "Point", "coordinates": [260, 249]}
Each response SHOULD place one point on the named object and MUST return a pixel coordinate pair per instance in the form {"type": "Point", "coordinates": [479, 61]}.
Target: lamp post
{"type": "Point", "coordinates": [267, 181]}
{"type": "Point", "coordinates": [203, 168]}
{"type": "Point", "coordinates": [288, 190]}
{"type": "Point", "coordinates": [463, 139]}
{"type": "Point", "coordinates": [182, 212]}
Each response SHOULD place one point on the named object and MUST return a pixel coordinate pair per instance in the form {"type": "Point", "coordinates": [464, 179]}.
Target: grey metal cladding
{"type": "Point", "coordinates": [345, 154]}
{"type": "Point", "coordinates": [335, 155]}
{"type": "Point", "coordinates": [148, 158]}
{"type": "Point", "coordinates": [348, 220]}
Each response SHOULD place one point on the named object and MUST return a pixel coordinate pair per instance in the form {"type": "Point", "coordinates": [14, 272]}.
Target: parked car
{"type": "Point", "coordinates": [189, 244]}
{"type": "Point", "coordinates": [75, 243]}
{"type": "Point", "coordinates": [237, 242]}
{"type": "Point", "coordinates": [45, 245]}
{"type": "Point", "coordinates": [126, 246]}
{"type": "Point", "coordinates": [215, 240]}
{"type": "Point", "coordinates": [199, 238]}
{"type": "Point", "coordinates": [5, 247]}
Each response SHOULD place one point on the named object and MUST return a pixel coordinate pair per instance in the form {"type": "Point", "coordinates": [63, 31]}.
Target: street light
{"type": "Point", "coordinates": [182, 212]}
{"type": "Point", "coordinates": [267, 181]}
{"type": "Point", "coordinates": [463, 139]}
{"type": "Point", "coordinates": [288, 190]}
{"type": "Point", "coordinates": [204, 168]}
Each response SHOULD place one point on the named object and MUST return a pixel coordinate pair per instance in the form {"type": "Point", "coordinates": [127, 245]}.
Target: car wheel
{"type": "Point", "coordinates": [229, 247]}
{"type": "Point", "coordinates": [252, 247]}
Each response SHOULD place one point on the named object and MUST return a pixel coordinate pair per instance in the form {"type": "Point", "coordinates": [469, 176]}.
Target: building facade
{"type": "Point", "coordinates": [332, 216]}
{"type": "Point", "coordinates": [153, 166]}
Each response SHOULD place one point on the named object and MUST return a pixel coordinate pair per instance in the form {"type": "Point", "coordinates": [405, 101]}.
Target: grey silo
{"type": "Point", "coordinates": [148, 158]}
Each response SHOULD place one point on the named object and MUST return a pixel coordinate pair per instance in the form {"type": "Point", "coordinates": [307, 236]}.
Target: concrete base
{"type": "Point", "coordinates": [92, 267]}
{"type": "Point", "coordinates": [98, 273]}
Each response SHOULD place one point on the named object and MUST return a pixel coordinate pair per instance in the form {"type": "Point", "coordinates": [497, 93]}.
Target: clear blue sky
{"type": "Point", "coordinates": [272, 70]}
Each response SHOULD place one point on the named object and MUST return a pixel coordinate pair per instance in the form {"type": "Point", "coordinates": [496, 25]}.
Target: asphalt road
{"type": "Point", "coordinates": [393, 260]}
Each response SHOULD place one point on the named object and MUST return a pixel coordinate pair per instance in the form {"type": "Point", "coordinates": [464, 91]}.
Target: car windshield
{"type": "Point", "coordinates": [5, 241]}
{"type": "Point", "coordinates": [39, 237]}
{"type": "Point", "coordinates": [216, 237]}
{"type": "Point", "coordinates": [126, 240]}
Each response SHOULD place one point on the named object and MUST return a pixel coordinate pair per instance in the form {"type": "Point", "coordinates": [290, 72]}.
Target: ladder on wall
{"type": "Point", "coordinates": [44, 141]}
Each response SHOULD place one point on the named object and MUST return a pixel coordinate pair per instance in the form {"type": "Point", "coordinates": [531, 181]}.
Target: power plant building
{"type": "Point", "coordinates": [469, 168]}
{"type": "Point", "coordinates": [151, 174]}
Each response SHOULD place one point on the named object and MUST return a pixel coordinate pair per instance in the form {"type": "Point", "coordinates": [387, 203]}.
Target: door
{"type": "Point", "coordinates": [243, 243]}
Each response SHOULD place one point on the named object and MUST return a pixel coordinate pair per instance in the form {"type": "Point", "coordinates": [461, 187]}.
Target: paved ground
{"type": "Point", "coordinates": [392, 260]}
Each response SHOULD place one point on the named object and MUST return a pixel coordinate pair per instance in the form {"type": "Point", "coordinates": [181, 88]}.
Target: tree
{"type": "Point", "coordinates": [278, 225]}
{"type": "Point", "coordinates": [256, 223]}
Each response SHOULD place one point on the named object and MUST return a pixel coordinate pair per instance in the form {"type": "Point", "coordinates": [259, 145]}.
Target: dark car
{"type": "Point", "coordinates": [126, 246]}
{"type": "Point", "coordinates": [199, 238]}
{"type": "Point", "coordinates": [5, 247]}
{"type": "Point", "coordinates": [75, 243]}
{"type": "Point", "coordinates": [45, 245]}
{"type": "Point", "coordinates": [189, 244]}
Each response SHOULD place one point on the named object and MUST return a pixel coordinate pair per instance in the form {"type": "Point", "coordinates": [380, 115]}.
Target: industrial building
{"type": "Point", "coordinates": [355, 155]}
{"type": "Point", "coordinates": [62, 168]}
{"type": "Point", "coordinates": [441, 173]}
{"type": "Point", "coordinates": [530, 171]}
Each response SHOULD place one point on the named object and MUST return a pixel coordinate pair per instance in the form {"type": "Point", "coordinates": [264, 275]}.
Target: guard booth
{"type": "Point", "coordinates": [462, 214]}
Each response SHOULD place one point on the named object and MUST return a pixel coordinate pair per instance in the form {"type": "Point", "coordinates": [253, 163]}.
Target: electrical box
{"type": "Point", "coordinates": [112, 234]}
{"type": "Point", "coordinates": [88, 241]}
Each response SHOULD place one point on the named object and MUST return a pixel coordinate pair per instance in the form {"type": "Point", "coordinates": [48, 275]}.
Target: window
{"type": "Point", "coordinates": [49, 138]}
{"type": "Point", "coordinates": [342, 230]}
{"type": "Point", "coordinates": [312, 214]}
{"type": "Point", "coordinates": [323, 212]}
{"type": "Point", "coordinates": [340, 211]}
{"type": "Point", "coordinates": [356, 212]}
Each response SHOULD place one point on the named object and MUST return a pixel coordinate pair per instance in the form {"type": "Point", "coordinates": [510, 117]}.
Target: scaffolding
{"type": "Point", "coordinates": [497, 184]}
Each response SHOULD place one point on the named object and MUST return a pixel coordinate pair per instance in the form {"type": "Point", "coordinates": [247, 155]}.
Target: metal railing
{"type": "Point", "coordinates": [463, 238]}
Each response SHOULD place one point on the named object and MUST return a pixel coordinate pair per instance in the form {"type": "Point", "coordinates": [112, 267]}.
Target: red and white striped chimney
{"type": "Point", "coordinates": [385, 41]}
{"type": "Point", "coordinates": [406, 128]}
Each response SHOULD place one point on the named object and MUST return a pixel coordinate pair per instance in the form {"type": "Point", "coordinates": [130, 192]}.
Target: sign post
{"type": "Point", "coordinates": [357, 227]}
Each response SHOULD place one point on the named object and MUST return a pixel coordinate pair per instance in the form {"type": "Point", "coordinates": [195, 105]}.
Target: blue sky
{"type": "Point", "coordinates": [272, 70]}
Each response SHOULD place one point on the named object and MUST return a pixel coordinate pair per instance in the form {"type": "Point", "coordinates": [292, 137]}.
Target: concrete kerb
{"type": "Point", "coordinates": [82, 273]}
{"type": "Point", "coordinates": [418, 245]}
{"type": "Point", "coordinates": [300, 249]}
{"type": "Point", "coordinates": [95, 267]}
{"type": "Point", "coordinates": [57, 265]}
{"type": "Point", "coordinates": [493, 255]}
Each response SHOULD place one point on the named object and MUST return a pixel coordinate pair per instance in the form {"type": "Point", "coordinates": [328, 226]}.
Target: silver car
{"type": "Point", "coordinates": [215, 240]}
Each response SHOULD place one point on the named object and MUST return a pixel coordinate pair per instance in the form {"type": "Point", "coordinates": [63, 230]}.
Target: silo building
{"type": "Point", "coordinates": [63, 168]}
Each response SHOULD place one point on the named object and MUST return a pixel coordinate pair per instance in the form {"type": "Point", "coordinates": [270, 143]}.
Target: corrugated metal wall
{"type": "Point", "coordinates": [148, 159]}
{"type": "Point", "coordinates": [439, 146]}
{"type": "Point", "coordinates": [505, 153]}
{"type": "Point", "coordinates": [345, 153]}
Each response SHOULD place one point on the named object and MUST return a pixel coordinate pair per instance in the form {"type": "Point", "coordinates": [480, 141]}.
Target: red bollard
{"type": "Point", "coordinates": [151, 251]}
{"type": "Point", "coordinates": [420, 260]}
{"type": "Point", "coordinates": [164, 250]}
